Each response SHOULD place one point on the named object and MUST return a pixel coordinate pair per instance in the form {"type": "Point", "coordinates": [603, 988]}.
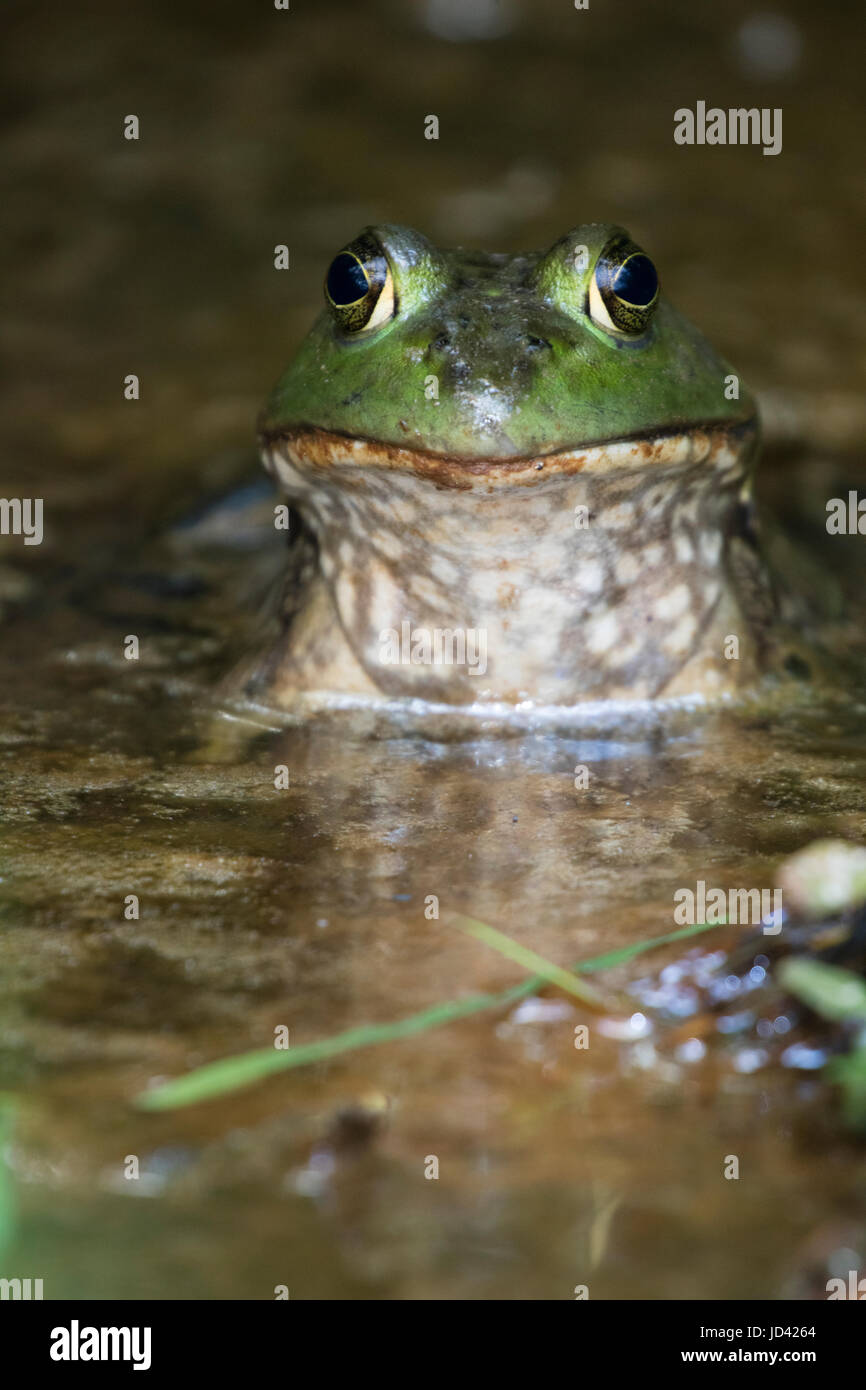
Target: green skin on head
{"type": "Point", "coordinates": [522, 368]}
{"type": "Point", "coordinates": [536, 450]}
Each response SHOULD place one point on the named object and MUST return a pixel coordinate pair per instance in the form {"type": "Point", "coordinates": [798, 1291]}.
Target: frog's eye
{"type": "Point", "coordinates": [624, 289]}
{"type": "Point", "coordinates": [359, 286]}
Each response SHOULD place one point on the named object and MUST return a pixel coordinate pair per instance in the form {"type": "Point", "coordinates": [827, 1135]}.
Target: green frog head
{"type": "Point", "coordinates": [537, 448]}
{"type": "Point", "coordinates": [493, 357]}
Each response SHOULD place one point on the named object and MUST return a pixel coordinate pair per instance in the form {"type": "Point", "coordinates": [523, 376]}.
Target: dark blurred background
{"type": "Point", "coordinates": [261, 126]}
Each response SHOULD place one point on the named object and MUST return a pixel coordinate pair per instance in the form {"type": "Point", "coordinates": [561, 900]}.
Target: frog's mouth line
{"type": "Point", "coordinates": [716, 443]}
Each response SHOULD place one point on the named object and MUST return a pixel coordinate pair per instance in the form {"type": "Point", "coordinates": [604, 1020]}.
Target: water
{"type": "Point", "coordinates": [304, 907]}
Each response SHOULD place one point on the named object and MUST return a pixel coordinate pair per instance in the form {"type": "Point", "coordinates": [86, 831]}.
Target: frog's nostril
{"type": "Point", "coordinates": [536, 344]}
{"type": "Point", "coordinates": [441, 341]}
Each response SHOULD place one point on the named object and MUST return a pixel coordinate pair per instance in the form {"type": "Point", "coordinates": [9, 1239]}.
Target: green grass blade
{"type": "Point", "coordinates": [832, 992]}
{"type": "Point", "coordinates": [625, 953]}
{"type": "Point", "coordinates": [544, 969]}
{"type": "Point", "coordinates": [849, 1072]}
{"type": "Point", "coordinates": [217, 1078]}
{"type": "Point", "coordinates": [8, 1204]}
{"type": "Point", "coordinates": [230, 1073]}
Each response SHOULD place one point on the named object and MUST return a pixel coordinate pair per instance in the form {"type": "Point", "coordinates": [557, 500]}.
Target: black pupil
{"type": "Point", "coordinates": [346, 279]}
{"type": "Point", "coordinates": [636, 282]}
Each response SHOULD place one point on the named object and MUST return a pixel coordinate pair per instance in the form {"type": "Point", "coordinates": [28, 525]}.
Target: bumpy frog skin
{"type": "Point", "coordinates": [536, 452]}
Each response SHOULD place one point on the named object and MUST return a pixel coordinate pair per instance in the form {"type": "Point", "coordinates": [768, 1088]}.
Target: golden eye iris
{"type": "Point", "coordinates": [359, 287]}
{"type": "Point", "coordinates": [624, 289]}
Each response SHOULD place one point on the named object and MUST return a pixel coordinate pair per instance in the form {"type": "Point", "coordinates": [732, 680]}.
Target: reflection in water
{"type": "Point", "coordinates": [303, 908]}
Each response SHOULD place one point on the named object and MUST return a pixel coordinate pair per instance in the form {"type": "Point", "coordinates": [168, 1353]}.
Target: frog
{"type": "Point", "coordinates": [514, 480]}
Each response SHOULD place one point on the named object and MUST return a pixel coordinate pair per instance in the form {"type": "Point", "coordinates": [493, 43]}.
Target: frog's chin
{"type": "Point", "coordinates": [606, 571]}
{"type": "Point", "coordinates": [726, 445]}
